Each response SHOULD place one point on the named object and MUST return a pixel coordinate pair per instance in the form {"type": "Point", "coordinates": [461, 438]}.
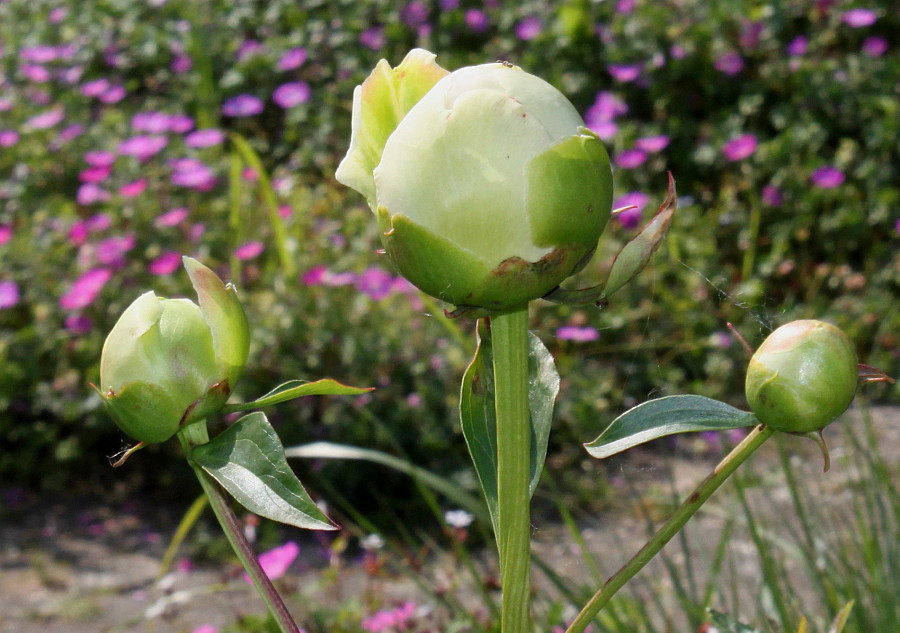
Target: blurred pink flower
{"type": "Point", "coordinates": [373, 38]}
{"type": "Point", "coordinates": [165, 264]}
{"type": "Point", "coordinates": [94, 174]}
{"type": "Point", "coordinates": [46, 119]}
{"type": "Point", "coordinates": [321, 276]}
{"type": "Point", "coordinates": [34, 73]}
{"type": "Point", "coordinates": [57, 15]}
{"type": "Point", "coordinates": [827, 177]}
{"type": "Point", "coordinates": [798, 46]}
{"type": "Point", "coordinates": [181, 64]}
{"type": "Point", "coordinates": [276, 561]}
{"type": "Point", "coordinates": [249, 250]}
{"type": "Point", "coordinates": [9, 294]}
{"type": "Point", "coordinates": [376, 283]}
{"type": "Point", "coordinates": [476, 20]}
{"type": "Point", "coordinates": [94, 88]}
{"type": "Point", "coordinates": [414, 14]}
{"type": "Point", "coordinates": [204, 138]}
{"type": "Point", "coordinates": [875, 46]}
{"type": "Point", "coordinates": [133, 189]}
{"type": "Point", "coordinates": [113, 94]}
{"type": "Point", "coordinates": [193, 174]}
{"type": "Point", "coordinates": [40, 54]}
{"type": "Point", "coordinates": [631, 158]}
{"type": "Point", "coordinates": [242, 105]}
{"type": "Point", "coordinates": [624, 7]}
{"type": "Point", "coordinates": [99, 159]}
{"type": "Point", "coordinates": [291, 59]}
{"type": "Point", "coordinates": [390, 619]}
{"type": "Point", "coordinates": [624, 72]}
{"type": "Point", "coordinates": [630, 218]}
{"type": "Point", "coordinates": [730, 63]}
{"type": "Point", "coordinates": [249, 48]}
{"type": "Point", "coordinates": [771, 196]}
{"type": "Point", "coordinates": [740, 147]}
{"type": "Point", "coordinates": [652, 144]}
{"type": "Point", "coordinates": [150, 122]}
{"type": "Point", "coordinates": [173, 217]}
{"type": "Point", "coordinates": [8, 138]}
{"type": "Point", "coordinates": [142, 147]}
{"type": "Point", "coordinates": [78, 323]}
{"type": "Point", "coordinates": [91, 193]}
{"type": "Point", "coordinates": [291, 94]}
{"type": "Point", "coordinates": [85, 289]}
{"type": "Point", "coordinates": [577, 333]}
{"type": "Point", "coordinates": [6, 234]}
{"type": "Point", "coordinates": [111, 251]}
{"type": "Point", "coordinates": [206, 628]}
{"type": "Point", "coordinates": [529, 28]}
{"type": "Point", "coordinates": [858, 18]}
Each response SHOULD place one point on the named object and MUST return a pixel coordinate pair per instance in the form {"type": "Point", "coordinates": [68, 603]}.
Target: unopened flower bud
{"type": "Point", "coordinates": [488, 188]}
{"type": "Point", "coordinates": [170, 362]}
{"type": "Point", "coordinates": [802, 377]}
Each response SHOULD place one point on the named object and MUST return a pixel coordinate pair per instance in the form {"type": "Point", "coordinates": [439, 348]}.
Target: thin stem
{"type": "Point", "coordinates": [509, 342]}
{"type": "Point", "coordinates": [685, 511]}
{"type": "Point", "coordinates": [194, 435]}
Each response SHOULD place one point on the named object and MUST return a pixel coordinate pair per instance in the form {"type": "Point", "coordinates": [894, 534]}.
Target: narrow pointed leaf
{"type": "Point", "coordinates": [248, 460]}
{"type": "Point", "coordinates": [724, 623]}
{"type": "Point", "coordinates": [636, 253]}
{"type": "Point", "coordinates": [667, 416]}
{"type": "Point", "coordinates": [478, 417]}
{"type": "Point", "coordinates": [297, 389]}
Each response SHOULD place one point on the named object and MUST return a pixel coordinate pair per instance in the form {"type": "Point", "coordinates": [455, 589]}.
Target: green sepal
{"type": "Point", "coordinates": [248, 460]}
{"type": "Point", "coordinates": [297, 389]}
{"type": "Point", "coordinates": [144, 411]}
{"type": "Point", "coordinates": [667, 416]}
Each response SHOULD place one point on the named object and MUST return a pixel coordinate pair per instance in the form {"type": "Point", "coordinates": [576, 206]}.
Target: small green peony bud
{"type": "Point", "coordinates": [488, 188]}
{"type": "Point", "coordinates": [802, 377]}
{"type": "Point", "coordinates": [169, 362]}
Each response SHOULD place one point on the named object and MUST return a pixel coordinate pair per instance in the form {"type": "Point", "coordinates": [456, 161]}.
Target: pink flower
{"type": "Point", "coordinates": [652, 144]}
{"type": "Point", "coordinates": [6, 234]}
{"type": "Point", "coordinates": [99, 159]}
{"type": "Point", "coordinates": [34, 73]}
{"type": "Point", "coordinates": [143, 147]}
{"type": "Point", "coordinates": [827, 177]}
{"type": "Point", "coordinates": [376, 283]}
{"type": "Point", "coordinates": [133, 189]}
{"type": "Point", "coordinates": [373, 38]}
{"type": "Point", "coordinates": [85, 289]}
{"type": "Point", "coordinates": [113, 94]}
{"type": "Point", "coordinates": [858, 18]}
{"type": "Point", "coordinates": [740, 147]}
{"type": "Point", "coordinates": [172, 218]}
{"type": "Point", "coordinates": [797, 46]}
{"type": "Point", "coordinates": [390, 619]}
{"type": "Point", "coordinates": [414, 14]}
{"type": "Point", "coordinates": [94, 174]}
{"type": "Point", "coordinates": [78, 323]}
{"type": "Point", "coordinates": [276, 561]}
{"type": "Point", "coordinates": [243, 105]}
{"type": "Point", "coordinates": [291, 94]}
{"type": "Point", "coordinates": [91, 193]}
{"type": "Point", "coordinates": [204, 138]}
{"type": "Point", "coordinates": [771, 196]}
{"type": "Point", "coordinates": [577, 334]}
{"type": "Point", "coordinates": [193, 174]}
{"type": "Point", "coordinates": [206, 628]}
{"type": "Point", "coordinates": [94, 88]}
{"type": "Point", "coordinates": [46, 119]}
{"type": "Point", "coordinates": [9, 294]}
{"type": "Point", "coordinates": [181, 64]}
{"type": "Point", "coordinates": [630, 218]}
{"type": "Point", "coordinates": [321, 276]}
{"type": "Point", "coordinates": [631, 158]}
{"type": "Point", "coordinates": [8, 138]}
{"type": "Point", "coordinates": [111, 251]}
{"type": "Point", "coordinates": [165, 264]}
{"type": "Point", "coordinates": [150, 122]}
{"type": "Point", "coordinates": [529, 28]}
{"type": "Point", "coordinates": [476, 20]}
{"type": "Point", "coordinates": [293, 58]}
{"type": "Point", "coordinates": [730, 63]}
{"type": "Point", "coordinates": [249, 250]}
{"type": "Point", "coordinates": [875, 46]}
{"type": "Point", "coordinates": [624, 72]}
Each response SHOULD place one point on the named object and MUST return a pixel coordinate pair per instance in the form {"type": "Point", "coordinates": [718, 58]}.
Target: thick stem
{"type": "Point", "coordinates": [194, 435]}
{"type": "Point", "coordinates": [685, 511]}
{"type": "Point", "coordinates": [509, 343]}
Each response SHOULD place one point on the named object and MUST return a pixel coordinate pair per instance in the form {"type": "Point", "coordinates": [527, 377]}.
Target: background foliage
{"type": "Point", "coordinates": [778, 120]}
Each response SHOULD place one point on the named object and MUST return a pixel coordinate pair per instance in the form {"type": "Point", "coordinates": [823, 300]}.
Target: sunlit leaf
{"type": "Point", "coordinates": [248, 460]}
{"type": "Point", "coordinates": [297, 389]}
{"type": "Point", "coordinates": [667, 416]}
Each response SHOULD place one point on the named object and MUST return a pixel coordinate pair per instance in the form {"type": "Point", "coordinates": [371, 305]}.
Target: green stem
{"type": "Point", "coordinates": [194, 435]}
{"type": "Point", "coordinates": [685, 511]}
{"type": "Point", "coordinates": [509, 342]}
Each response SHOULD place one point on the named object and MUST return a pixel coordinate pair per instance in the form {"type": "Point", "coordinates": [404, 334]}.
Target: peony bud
{"type": "Point", "coordinates": [488, 188]}
{"type": "Point", "coordinates": [802, 377]}
{"type": "Point", "coordinates": [169, 362]}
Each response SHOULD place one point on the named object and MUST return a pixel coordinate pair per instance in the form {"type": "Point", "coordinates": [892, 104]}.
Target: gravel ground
{"type": "Point", "coordinates": [68, 567]}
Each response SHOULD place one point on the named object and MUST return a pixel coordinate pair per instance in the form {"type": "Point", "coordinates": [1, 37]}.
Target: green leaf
{"type": "Point", "coordinates": [667, 416]}
{"type": "Point", "coordinates": [248, 460]}
{"type": "Point", "coordinates": [636, 253]}
{"type": "Point", "coordinates": [297, 389]}
{"type": "Point", "coordinates": [478, 417]}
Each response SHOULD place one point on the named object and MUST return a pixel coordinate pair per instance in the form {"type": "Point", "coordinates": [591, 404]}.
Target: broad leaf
{"type": "Point", "coordinates": [478, 416]}
{"type": "Point", "coordinates": [248, 460]}
{"type": "Point", "coordinates": [636, 253]}
{"type": "Point", "coordinates": [297, 389]}
{"type": "Point", "coordinates": [667, 416]}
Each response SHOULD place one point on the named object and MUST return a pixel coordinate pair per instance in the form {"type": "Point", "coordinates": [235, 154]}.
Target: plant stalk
{"type": "Point", "coordinates": [194, 435]}
{"type": "Point", "coordinates": [664, 534]}
{"type": "Point", "coordinates": [509, 343]}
